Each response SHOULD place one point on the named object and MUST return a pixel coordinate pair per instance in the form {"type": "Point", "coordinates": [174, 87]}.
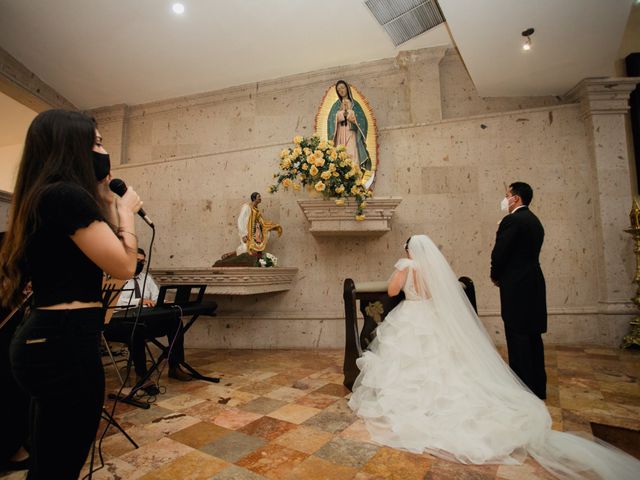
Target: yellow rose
{"type": "Point", "coordinates": [342, 155]}
{"type": "Point", "coordinates": [335, 174]}
{"type": "Point", "coordinates": [319, 153]}
{"type": "Point", "coordinates": [332, 167]}
{"type": "Point", "coordinates": [320, 186]}
{"type": "Point", "coordinates": [341, 148]}
{"type": "Point", "coordinates": [319, 162]}
{"type": "Point", "coordinates": [333, 155]}
{"type": "Point", "coordinates": [296, 187]}
{"type": "Point", "coordinates": [304, 166]}
{"type": "Point", "coordinates": [354, 190]}
{"type": "Point", "coordinates": [359, 218]}
{"type": "Point", "coordinates": [313, 170]}
{"type": "Point", "coordinates": [340, 201]}
{"type": "Point", "coordinates": [348, 161]}
{"type": "Point", "coordinates": [340, 189]}
{"type": "Point", "coordinates": [306, 150]}
{"type": "Point", "coordinates": [286, 183]}
{"type": "Point", "coordinates": [323, 145]}
{"type": "Point", "coordinates": [325, 175]}
{"type": "Point", "coordinates": [341, 164]}
{"type": "Point", "coordinates": [284, 153]}
{"type": "Point", "coordinates": [297, 139]}
{"type": "Point", "coordinates": [359, 181]}
{"type": "Point", "coordinates": [331, 142]}
{"type": "Point", "coordinates": [285, 163]}
{"type": "Point", "coordinates": [363, 204]}
{"type": "Point", "coordinates": [296, 151]}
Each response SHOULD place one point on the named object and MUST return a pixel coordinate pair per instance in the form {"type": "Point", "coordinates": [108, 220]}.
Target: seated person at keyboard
{"type": "Point", "coordinates": [130, 296]}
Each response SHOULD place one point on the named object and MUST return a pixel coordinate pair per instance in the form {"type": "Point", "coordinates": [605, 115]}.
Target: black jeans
{"type": "Point", "coordinates": [55, 357]}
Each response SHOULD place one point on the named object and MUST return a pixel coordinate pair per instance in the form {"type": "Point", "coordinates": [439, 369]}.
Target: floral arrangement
{"type": "Point", "coordinates": [321, 166]}
{"type": "Point", "coordinates": [268, 260]}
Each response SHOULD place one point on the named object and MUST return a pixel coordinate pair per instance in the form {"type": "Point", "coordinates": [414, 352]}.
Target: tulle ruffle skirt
{"type": "Point", "coordinates": [416, 391]}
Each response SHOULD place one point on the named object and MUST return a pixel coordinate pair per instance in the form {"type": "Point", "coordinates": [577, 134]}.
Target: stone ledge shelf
{"type": "Point", "coordinates": [330, 220]}
{"type": "Point", "coordinates": [230, 280]}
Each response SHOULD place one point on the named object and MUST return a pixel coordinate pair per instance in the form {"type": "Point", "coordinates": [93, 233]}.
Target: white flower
{"type": "Point", "coordinates": [273, 258]}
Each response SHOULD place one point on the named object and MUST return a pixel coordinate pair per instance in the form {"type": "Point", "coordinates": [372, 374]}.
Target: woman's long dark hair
{"type": "Point", "coordinates": [57, 149]}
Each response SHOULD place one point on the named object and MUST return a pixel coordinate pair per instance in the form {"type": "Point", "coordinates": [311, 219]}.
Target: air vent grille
{"type": "Point", "coordinates": [405, 19]}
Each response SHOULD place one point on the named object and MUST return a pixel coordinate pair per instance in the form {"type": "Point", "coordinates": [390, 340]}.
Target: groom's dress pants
{"type": "Point", "coordinates": [526, 359]}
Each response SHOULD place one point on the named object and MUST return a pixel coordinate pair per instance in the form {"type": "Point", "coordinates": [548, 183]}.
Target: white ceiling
{"type": "Point", "coordinates": [98, 53]}
{"type": "Point", "coordinates": [573, 39]}
{"type": "Point", "coordinates": [104, 52]}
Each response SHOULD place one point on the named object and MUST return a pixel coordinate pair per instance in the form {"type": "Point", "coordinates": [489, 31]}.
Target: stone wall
{"type": "Point", "coordinates": [443, 149]}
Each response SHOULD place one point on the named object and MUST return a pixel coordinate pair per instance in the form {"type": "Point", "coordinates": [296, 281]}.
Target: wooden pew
{"type": "Point", "coordinates": [374, 306]}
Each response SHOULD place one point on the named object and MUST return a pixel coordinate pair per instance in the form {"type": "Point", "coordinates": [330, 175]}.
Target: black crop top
{"type": "Point", "coordinates": [57, 268]}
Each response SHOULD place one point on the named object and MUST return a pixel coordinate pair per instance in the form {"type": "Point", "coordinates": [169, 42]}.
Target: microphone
{"type": "Point", "coordinates": [118, 187]}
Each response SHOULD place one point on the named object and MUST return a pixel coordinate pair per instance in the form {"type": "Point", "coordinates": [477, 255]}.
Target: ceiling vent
{"type": "Point", "coordinates": [405, 19]}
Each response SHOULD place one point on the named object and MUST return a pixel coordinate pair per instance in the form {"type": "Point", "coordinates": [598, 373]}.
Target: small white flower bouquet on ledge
{"type": "Point", "coordinates": [268, 260]}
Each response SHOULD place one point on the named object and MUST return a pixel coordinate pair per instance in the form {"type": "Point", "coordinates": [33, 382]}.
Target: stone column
{"type": "Point", "coordinates": [604, 103]}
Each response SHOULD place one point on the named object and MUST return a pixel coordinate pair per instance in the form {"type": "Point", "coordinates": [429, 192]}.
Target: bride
{"type": "Point", "coordinates": [433, 382]}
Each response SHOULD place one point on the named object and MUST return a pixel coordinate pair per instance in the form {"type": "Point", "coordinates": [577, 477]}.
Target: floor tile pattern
{"type": "Point", "coordinates": [283, 414]}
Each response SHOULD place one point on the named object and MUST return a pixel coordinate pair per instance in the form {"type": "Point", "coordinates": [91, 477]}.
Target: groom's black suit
{"type": "Point", "coordinates": [515, 267]}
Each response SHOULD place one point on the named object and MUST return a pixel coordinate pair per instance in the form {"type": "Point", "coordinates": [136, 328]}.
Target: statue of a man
{"type": "Point", "coordinates": [253, 229]}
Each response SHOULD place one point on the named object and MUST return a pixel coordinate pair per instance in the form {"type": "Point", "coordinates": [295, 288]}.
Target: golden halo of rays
{"type": "Point", "coordinates": [330, 97]}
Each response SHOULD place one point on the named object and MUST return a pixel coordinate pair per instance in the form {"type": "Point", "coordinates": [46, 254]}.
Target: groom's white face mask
{"type": "Point", "coordinates": [505, 204]}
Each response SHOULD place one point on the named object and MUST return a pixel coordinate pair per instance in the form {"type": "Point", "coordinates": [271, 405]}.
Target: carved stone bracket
{"type": "Point", "coordinates": [330, 220]}
{"type": "Point", "coordinates": [230, 280]}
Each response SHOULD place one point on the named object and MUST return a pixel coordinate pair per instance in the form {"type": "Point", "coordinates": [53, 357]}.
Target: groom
{"type": "Point", "coordinates": [515, 268]}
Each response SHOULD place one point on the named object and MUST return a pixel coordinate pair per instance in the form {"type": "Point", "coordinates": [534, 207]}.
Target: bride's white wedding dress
{"type": "Point", "coordinates": [433, 381]}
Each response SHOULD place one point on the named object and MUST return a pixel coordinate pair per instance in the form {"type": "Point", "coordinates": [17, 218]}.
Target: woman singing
{"type": "Point", "coordinates": [61, 238]}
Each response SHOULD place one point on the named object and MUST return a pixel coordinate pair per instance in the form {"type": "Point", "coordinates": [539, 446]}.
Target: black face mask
{"type": "Point", "coordinates": [101, 164]}
{"type": "Point", "coordinates": [139, 267]}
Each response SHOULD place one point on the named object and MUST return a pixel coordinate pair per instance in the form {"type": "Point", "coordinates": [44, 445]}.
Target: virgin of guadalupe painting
{"type": "Point", "coordinates": [346, 118]}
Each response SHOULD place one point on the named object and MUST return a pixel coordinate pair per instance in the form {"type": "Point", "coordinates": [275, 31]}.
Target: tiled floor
{"type": "Point", "coordinates": [282, 414]}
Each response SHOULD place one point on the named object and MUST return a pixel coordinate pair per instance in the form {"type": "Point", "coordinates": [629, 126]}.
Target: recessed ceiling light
{"type": "Point", "coordinates": [178, 8]}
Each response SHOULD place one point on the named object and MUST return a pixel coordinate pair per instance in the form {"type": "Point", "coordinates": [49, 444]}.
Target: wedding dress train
{"type": "Point", "coordinates": [433, 381]}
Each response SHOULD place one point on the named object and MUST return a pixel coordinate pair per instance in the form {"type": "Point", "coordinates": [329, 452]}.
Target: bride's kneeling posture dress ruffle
{"type": "Point", "coordinates": [432, 381]}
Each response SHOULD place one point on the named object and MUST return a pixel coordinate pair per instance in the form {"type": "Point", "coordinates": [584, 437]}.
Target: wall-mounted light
{"type": "Point", "coordinates": [178, 8]}
{"type": "Point", "coordinates": [526, 46]}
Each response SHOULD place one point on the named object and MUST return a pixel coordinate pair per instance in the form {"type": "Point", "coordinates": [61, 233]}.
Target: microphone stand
{"type": "Point", "coordinates": [109, 416]}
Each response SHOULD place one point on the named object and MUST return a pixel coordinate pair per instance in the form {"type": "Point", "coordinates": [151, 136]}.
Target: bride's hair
{"type": "Point", "coordinates": [406, 244]}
